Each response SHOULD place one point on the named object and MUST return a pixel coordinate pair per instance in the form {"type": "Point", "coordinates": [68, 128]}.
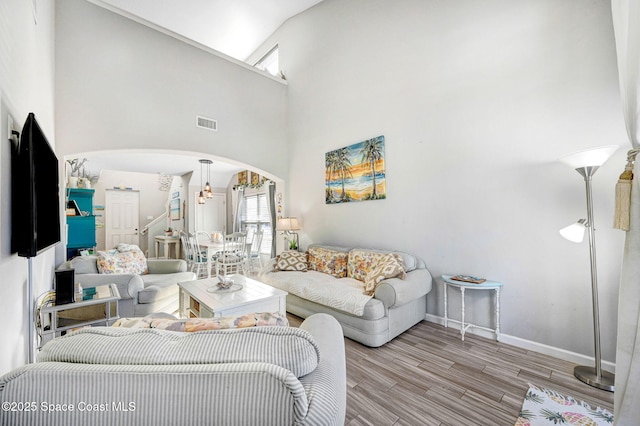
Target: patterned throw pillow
{"type": "Point", "coordinates": [129, 262]}
{"type": "Point", "coordinates": [362, 262]}
{"type": "Point", "coordinates": [291, 260]}
{"type": "Point", "coordinates": [330, 262]}
{"type": "Point", "coordinates": [388, 267]}
{"type": "Point", "coordinates": [259, 319]}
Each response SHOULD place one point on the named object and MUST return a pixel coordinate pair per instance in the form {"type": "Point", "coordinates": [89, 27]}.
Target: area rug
{"type": "Point", "coordinates": [547, 407]}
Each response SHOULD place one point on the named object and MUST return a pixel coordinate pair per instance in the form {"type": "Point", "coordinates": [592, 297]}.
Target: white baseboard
{"type": "Point", "coordinates": [529, 345]}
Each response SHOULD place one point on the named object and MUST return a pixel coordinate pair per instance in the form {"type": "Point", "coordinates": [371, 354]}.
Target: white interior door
{"type": "Point", "coordinates": [122, 218]}
{"type": "Point", "coordinates": [212, 215]}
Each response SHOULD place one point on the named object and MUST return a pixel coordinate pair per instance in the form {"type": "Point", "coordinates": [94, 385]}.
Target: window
{"type": "Point", "coordinates": [269, 62]}
{"type": "Point", "coordinates": [255, 216]}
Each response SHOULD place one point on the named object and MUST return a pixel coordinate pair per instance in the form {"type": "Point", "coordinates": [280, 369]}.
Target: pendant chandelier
{"type": "Point", "coordinates": [205, 191]}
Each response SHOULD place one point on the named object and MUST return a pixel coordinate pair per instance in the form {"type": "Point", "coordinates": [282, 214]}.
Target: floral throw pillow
{"type": "Point", "coordinates": [259, 319]}
{"type": "Point", "coordinates": [291, 260]}
{"type": "Point", "coordinates": [362, 262]}
{"type": "Point", "coordinates": [388, 267]}
{"type": "Point", "coordinates": [330, 262]}
{"type": "Point", "coordinates": [129, 262]}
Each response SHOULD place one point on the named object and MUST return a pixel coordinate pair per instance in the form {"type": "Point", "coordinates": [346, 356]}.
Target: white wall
{"type": "Point", "coordinates": [122, 85]}
{"type": "Point", "coordinates": [26, 85]}
{"type": "Point", "coordinates": [152, 200]}
{"type": "Point", "coordinates": [476, 100]}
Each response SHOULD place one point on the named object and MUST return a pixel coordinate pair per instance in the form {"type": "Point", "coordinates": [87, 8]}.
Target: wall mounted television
{"type": "Point", "coordinates": [35, 192]}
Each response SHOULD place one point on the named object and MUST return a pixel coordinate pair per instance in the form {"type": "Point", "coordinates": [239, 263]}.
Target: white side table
{"type": "Point", "coordinates": [487, 285]}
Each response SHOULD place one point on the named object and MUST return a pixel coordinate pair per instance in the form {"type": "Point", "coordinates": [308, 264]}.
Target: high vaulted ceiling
{"type": "Point", "coordinates": [233, 27]}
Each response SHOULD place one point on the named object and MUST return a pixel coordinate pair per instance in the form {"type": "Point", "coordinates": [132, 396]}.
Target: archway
{"type": "Point", "coordinates": [138, 169]}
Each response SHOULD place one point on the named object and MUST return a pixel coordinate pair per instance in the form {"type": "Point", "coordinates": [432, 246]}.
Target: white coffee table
{"type": "Point", "coordinates": [197, 302]}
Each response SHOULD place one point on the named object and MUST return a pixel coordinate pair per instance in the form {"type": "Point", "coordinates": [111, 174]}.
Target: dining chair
{"type": "Point", "coordinates": [253, 256]}
{"type": "Point", "coordinates": [187, 252]}
{"type": "Point", "coordinates": [231, 259]}
{"type": "Point", "coordinates": [199, 255]}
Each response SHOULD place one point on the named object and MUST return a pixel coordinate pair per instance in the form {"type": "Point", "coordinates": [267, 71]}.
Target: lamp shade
{"type": "Point", "coordinates": [287, 224]}
{"type": "Point", "coordinates": [589, 157]}
{"type": "Point", "coordinates": [575, 232]}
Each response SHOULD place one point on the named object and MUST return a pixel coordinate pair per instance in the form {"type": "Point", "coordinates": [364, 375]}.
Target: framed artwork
{"type": "Point", "coordinates": [174, 209]}
{"type": "Point", "coordinates": [242, 177]}
{"type": "Point", "coordinates": [255, 179]}
{"type": "Point", "coordinates": [356, 172]}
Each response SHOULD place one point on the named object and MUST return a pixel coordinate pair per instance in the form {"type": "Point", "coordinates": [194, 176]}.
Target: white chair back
{"type": "Point", "coordinates": [199, 254]}
{"type": "Point", "coordinates": [253, 257]}
{"type": "Point", "coordinates": [232, 257]}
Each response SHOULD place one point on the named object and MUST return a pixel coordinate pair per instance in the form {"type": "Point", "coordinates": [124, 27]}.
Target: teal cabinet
{"type": "Point", "coordinates": [81, 229]}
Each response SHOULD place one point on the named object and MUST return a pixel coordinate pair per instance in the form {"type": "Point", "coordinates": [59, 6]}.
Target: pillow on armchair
{"type": "Point", "coordinates": [129, 261]}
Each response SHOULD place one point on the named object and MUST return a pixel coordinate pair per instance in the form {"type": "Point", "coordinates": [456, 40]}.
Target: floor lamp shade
{"type": "Point", "coordinates": [586, 163]}
{"type": "Point", "coordinates": [589, 157]}
{"type": "Point", "coordinates": [575, 231]}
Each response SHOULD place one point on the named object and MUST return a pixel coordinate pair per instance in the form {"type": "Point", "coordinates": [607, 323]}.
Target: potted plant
{"type": "Point", "coordinates": [76, 168]}
{"type": "Point", "coordinates": [168, 232]}
{"type": "Point", "coordinates": [79, 176]}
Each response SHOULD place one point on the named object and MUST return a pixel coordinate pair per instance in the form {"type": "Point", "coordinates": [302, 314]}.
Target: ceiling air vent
{"type": "Point", "coordinates": [206, 123]}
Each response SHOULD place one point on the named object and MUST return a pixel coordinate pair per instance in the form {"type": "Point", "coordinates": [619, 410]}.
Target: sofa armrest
{"type": "Point", "coordinates": [396, 292]}
{"type": "Point", "coordinates": [328, 381]}
{"type": "Point", "coordinates": [166, 266]}
{"type": "Point", "coordinates": [128, 284]}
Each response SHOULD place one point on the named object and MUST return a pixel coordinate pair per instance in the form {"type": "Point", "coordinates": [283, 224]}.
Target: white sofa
{"type": "Point", "coordinates": [396, 305]}
{"type": "Point", "coordinates": [140, 295]}
{"type": "Point", "coordinates": [123, 376]}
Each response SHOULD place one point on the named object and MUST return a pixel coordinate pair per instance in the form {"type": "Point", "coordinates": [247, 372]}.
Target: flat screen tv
{"type": "Point", "coordinates": [35, 192]}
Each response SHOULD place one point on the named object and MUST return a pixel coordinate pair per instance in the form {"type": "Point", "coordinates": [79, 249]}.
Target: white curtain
{"type": "Point", "coordinates": [626, 24]}
{"type": "Point", "coordinates": [271, 199]}
{"type": "Point", "coordinates": [237, 219]}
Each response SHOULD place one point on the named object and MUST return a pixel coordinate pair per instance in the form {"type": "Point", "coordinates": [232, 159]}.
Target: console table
{"type": "Point", "coordinates": [166, 242]}
{"type": "Point", "coordinates": [462, 286]}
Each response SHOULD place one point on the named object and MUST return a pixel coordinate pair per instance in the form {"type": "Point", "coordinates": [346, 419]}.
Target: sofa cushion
{"type": "Point", "coordinates": [344, 294]}
{"type": "Point", "coordinates": [328, 261]}
{"type": "Point", "coordinates": [388, 267]}
{"type": "Point", "coordinates": [362, 262]}
{"type": "Point", "coordinates": [129, 262]}
{"type": "Point", "coordinates": [409, 261]}
{"type": "Point", "coordinates": [291, 348]}
{"type": "Point", "coordinates": [199, 324]}
{"type": "Point", "coordinates": [161, 286]}
{"type": "Point", "coordinates": [292, 260]}
{"type": "Point", "coordinates": [84, 264]}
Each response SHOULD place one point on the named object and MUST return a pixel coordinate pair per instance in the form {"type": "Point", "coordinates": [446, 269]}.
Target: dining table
{"type": "Point", "coordinates": [213, 247]}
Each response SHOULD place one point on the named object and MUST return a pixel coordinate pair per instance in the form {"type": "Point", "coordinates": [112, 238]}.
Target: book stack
{"type": "Point", "coordinates": [468, 279]}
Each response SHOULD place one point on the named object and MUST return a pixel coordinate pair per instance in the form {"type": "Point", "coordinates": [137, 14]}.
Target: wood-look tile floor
{"type": "Point", "coordinates": [428, 376]}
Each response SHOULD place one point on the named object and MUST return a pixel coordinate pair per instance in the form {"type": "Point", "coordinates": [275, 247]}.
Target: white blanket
{"type": "Point", "coordinates": [344, 294]}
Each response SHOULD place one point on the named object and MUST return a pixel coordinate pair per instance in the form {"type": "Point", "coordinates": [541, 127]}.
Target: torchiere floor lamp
{"type": "Point", "coordinates": [586, 163]}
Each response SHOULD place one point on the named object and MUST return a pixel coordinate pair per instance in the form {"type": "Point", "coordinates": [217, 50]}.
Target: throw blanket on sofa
{"type": "Point", "coordinates": [344, 294]}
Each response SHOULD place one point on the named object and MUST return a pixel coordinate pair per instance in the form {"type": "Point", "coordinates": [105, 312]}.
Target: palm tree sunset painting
{"type": "Point", "coordinates": [356, 172]}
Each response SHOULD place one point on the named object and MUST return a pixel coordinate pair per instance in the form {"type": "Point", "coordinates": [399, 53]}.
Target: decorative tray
{"type": "Point", "coordinates": [217, 289]}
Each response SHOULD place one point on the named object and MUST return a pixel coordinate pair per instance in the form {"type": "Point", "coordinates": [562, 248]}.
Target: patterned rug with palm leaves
{"type": "Point", "coordinates": [547, 407]}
